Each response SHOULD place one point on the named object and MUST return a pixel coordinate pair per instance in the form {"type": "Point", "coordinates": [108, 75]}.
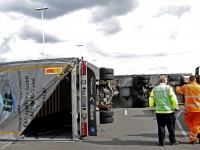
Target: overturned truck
{"type": "Point", "coordinates": [52, 99]}
{"type": "Point", "coordinates": [134, 90]}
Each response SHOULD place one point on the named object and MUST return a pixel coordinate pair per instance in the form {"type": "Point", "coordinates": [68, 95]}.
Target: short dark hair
{"type": "Point", "coordinates": [192, 78]}
{"type": "Point", "coordinates": [162, 79]}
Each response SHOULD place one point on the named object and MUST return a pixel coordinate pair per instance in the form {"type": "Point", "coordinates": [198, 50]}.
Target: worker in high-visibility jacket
{"type": "Point", "coordinates": [165, 100]}
{"type": "Point", "coordinates": [191, 93]}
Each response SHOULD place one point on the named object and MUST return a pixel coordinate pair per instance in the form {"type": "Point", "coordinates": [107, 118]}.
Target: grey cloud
{"type": "Point", "coordinates": [4, 46]}
{"type": "Point", "coordinates": [164, 68]}
{"type": "Point", "coordinates": [2, 59]}
{"type": "Point", "coordinates": [173, 10]}
{"type": "Point", "coordinates": [96, 51]}
{"type": "Point", "coordinates": [153, 69]}
{"type": "Point", "coordinates": [111, 26]}
{"type": "Point", "coordinates": [27, 33]}
{"type": "Point", "coordinates": [161, 54]}
{"type": "Point", "coordinates": [124, 55]}
{"type": "Point", "coordinates": [107, 8]}
{"type": "Point", "coordinates": [121, 55]}
{"type": "Point", "coordinates": [113, 8]}
{"type": "Point", "coordinates": [173, 35]}
{"type": "Point", "coordinates": [140, 27]}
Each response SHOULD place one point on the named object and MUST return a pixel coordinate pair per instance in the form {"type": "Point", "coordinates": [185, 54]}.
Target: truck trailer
{"type": "Point", "coordinates": [53, 99]}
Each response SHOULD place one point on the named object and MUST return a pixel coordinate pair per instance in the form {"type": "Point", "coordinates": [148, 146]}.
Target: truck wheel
{"type": "Point", "coordinates": [107, 120]}
{"type": "Point", "coordinates": [109, 77]}
{"type": "Point", "coordinates": [143, 78]}
{"type": "Point", "coordinates": [109, 71]}
{"type": "Point", "coordinates": [143, 81]}
{"type": "Point", "coordinates": [143, 102]}
{"type": "Point", "coordinates": [106, 114]}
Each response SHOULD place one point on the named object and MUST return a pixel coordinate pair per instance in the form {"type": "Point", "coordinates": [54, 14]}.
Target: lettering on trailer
{"type": "Point", "coordinates": [20, 99]}
{"type": "Point", "coordinates": [29, 102]}
{"type": "Point", "coordinates": [92, 125]}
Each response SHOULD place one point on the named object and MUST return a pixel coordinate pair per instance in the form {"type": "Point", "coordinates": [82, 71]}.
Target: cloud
{"type": "Point", "coordinates": [111, 27]}
{"type": "Point", "coordinates": [4, 46]}
{"type": "Point", "coordinates": [163, 68]}
{"type": "Point", "coordinates": [153, 69]}
{"type": "Point", "coordinates": [2, 59]}
{"type": "Point", "coordinates": [105, 8]}
{"type": "Point", "coordinates": [27, 33]}
{"type": "Point", "coordinates": [96, 51]}
{"type": "Point", "coordinates": [173, 35]}
{"type": "Point", "coordinates": [92, 49]}
{"type": "Point", "coordinates": [113, 8]}
{"type": "Point", "coordinates": [173, 10]}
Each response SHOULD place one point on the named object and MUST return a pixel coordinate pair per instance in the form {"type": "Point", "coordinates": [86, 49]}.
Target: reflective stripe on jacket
{"type": "Point", "coordinates": [164, 98]}
{"type": "Point", "coordinates": [192, 96]}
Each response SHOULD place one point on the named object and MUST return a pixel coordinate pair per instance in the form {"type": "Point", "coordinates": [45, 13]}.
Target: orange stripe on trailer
{"type": "Point", "coordinates": [55, 70]}
{"type": "Point", "coordinates": [10, 132]}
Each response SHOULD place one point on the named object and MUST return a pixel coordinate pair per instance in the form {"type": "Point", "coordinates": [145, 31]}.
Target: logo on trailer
{"type": "Point", "coordinates": [92, 129]}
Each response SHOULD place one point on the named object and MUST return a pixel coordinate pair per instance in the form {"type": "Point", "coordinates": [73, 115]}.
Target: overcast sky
{"type": "Point", "coordinates": [131, 36]}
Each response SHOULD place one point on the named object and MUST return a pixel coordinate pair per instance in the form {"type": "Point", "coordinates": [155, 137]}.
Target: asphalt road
{"type": "Point", "coordinates": [133, 129]}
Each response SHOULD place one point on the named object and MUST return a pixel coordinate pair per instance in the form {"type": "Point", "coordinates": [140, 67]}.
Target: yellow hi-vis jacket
{"type": "Point", "coordinates": [164, 99]}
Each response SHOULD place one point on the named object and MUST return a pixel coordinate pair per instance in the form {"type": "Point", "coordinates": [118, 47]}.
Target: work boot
{"type": "Point", "coordinates": [161, 144]}
{"type": "Point", "coordinates": [198, 136]}
{"type": "Point", "coordinates": [176, 143]}
{"type": "Point", "coordinates": [193, 142]}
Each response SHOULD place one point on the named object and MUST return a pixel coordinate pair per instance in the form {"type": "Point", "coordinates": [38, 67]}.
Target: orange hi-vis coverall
{"type": "Point", "coordinates": [192, 107]}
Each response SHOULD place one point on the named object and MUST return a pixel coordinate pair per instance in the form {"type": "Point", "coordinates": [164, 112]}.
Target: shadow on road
{"type": "Point", "coordinates": [116, 141]}
{"type": "Point", "coordinates": [153, 135]}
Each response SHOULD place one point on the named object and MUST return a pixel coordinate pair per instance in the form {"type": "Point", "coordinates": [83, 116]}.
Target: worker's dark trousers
{"type": "Point", "coordinates": [169, 120]}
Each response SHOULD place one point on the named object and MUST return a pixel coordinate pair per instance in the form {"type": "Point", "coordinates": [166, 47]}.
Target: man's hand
{"type": "Point", "coordinates": [152, 112]}
{"type": "Point", "coordinates": [175, 110]}
{"type": "Point", "coordinates": [177, 87]}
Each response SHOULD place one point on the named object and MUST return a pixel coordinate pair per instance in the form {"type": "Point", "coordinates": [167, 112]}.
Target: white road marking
{"type": "Point", "coordinates": [5, 145]}
{"type": "Point", "coordinates": [126, 113]}
{"type": "Point", "coordinates": [179, 124]}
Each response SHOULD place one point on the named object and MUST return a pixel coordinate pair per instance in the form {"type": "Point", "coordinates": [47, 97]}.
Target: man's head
{"type": "Point", "coordinates": [192, 78]}
{"type": "Point", "coordinates": [163, 79]}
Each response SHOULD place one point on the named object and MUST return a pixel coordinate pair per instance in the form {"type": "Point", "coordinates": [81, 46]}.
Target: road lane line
{"type": "Point", "coordinates": [126, 113]}
{"type": "Point", "coordinates": [179, 124]}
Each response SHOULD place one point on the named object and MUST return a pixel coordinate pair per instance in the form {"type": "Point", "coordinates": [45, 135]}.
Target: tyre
{"type": "Point", "coordinates": [143, 78]}
{"type": "Point", "coordinates": [143, 105]}
{"type": "Point", "coordinates": [173, 78]}
{"type": "Point", "coordinates": [105, 114]}
{"type": "Point", "coordinates": [106, 74]}
{"type": "Point", "coordinates": [135, 80]}
{"type": "Point", "coordinates": [107, 120]}
{"type": "Point", "coordinates": [143, 102]}
{"type": "Point", "coordinates": [107, 77]}
{"type": "Point", "coordinates": [102, 73]}
{"type": "Point", "coordinates": [109, 71]}
{"type": "Point", "coordinates": [143, 81]}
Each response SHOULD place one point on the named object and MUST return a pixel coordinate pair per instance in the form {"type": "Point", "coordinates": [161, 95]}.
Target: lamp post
{"type": "Point", "coordinates": [79, 49]}
{"type": "Point", "coordinates": [42, 9]}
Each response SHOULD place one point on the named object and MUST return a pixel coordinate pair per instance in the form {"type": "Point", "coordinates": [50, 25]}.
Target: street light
{"type": "Point", "coordinates": [79, 49]}
{"type": "Point", "coordinates": [41, 9]}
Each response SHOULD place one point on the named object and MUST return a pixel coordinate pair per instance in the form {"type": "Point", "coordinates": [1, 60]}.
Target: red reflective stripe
{"type": "Point", "coordinates": [84, 128]}
{"type": "Point", "coordinates": [83, 68]}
